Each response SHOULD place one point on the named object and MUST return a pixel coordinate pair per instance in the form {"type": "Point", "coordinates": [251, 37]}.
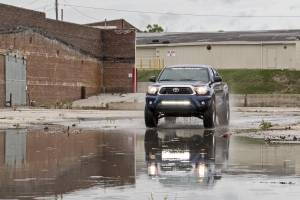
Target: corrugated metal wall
{"type": "Point", "coordinates": [267, 56]}
{"type": "Point", "coordinates": [15, 80]}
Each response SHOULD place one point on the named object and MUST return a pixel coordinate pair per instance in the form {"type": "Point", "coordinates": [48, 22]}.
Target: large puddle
{"type": "Point", "coordinates": [57, 163]}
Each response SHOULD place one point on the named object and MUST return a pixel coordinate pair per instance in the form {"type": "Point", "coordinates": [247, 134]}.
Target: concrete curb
{"type": "Point", "coordinates": [265, 100]}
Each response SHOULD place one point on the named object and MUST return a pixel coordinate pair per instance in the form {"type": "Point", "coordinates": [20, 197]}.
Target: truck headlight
{"type": "Point", "coordinates": [201, 90]}
{"type": "Point", "coordinates": [152, 90]}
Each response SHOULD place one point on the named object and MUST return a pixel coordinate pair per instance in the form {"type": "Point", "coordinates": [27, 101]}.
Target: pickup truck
{"type": "Point", "coordinates": [187, 91]}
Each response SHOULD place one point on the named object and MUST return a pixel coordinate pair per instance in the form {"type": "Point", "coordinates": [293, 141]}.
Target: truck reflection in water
{"type": "Point", "coordinates": [186, 156]}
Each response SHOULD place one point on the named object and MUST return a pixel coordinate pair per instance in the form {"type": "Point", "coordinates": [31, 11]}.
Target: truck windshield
{"type": "Point", "coordinates": [184, 74]}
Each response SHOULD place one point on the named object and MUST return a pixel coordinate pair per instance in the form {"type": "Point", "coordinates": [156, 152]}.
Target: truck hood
{"type": "Point", "coordinates": [175, 83]}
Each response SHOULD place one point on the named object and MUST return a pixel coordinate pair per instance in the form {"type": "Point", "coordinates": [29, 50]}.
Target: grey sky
{"type": "Point", "coordinates": [179, 22]}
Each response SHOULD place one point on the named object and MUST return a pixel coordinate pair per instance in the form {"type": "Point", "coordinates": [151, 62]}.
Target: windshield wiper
{"type": "Point", "coordinates": [166, 80]}
{"type": "Point", "coordinates": [187, 79]}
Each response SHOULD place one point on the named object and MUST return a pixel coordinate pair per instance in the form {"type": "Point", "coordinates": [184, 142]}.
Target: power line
{"type": "Point", "coordinates": [30, 3]}
{"type": "Point", "coordinates": [43, 7]}
{"type": "Point", "coordinates": [184, 14]}
{"type": "Point", "coordinates": [48, 9]}
{"type": "Point", "coordinates": [81, 13]}
{"type": "Point", "coordinates": [78, 11]}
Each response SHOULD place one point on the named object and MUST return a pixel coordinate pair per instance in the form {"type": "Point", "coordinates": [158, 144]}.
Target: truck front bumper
{"type": "Point", "coordinates": [178, 105]}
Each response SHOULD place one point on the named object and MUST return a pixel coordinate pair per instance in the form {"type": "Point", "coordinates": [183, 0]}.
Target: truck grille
{"type": "Point", "coordinates": [176, 90]}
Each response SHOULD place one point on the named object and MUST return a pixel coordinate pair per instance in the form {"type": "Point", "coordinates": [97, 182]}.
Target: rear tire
{"type": "Point", "coordinates": [224, 115]}
{"type": "Point", "coordinates": [209, 116]}
{"type": "Point", "coordinates": [151, 120]}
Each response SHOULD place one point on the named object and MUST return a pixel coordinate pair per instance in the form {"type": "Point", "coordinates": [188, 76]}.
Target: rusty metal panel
{"type": "Point", "coordinates": [15, 80]}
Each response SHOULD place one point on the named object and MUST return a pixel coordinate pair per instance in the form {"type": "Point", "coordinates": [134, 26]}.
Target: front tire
{"type": "Point", "coordinates": [151, 120]}
{"type": "Point", "coordinates": [209, 116]}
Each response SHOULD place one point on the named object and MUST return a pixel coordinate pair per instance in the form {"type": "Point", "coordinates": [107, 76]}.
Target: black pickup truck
{"type": "Point", "coordinates": [188, 91]}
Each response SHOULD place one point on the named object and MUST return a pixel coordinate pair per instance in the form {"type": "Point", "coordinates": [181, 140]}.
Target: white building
{"type": "Point", "coordinates": [278, 49]}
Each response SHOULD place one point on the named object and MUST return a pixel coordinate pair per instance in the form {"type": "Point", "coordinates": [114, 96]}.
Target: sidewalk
{"type": "Point", "coordinates": [26, 117]}
{"type": "Point", "coordinates": [129, 101]}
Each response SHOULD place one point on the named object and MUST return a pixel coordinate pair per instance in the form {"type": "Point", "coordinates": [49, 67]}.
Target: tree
{"type": "Point", "coordinates": [155, 28]}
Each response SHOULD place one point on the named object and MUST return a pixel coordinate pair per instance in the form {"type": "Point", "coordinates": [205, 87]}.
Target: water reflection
{"type": "Point", "coordinates": [178, 156]}
{"type": "Point", "coordinates": [257, 157]}
{"type": "Point", "coordinates": [37, 163]}
{"type": "Point", "coordinates": [111, 164]}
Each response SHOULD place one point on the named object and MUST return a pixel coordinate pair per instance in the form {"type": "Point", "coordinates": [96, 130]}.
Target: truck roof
{"type": "Point", "coordinates": [189, 66]}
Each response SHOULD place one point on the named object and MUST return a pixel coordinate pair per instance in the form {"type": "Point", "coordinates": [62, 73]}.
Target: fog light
{"type": "Point", "coordinates": [152, 170]}
{"type": "Point", "coordinates": [201, 170]}
{"type": "Point", "coordinates": [150, 102]}
{"type": "Point", "coordinates": [203, 102]}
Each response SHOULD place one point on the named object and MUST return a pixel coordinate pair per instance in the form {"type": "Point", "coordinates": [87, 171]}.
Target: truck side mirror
{"type": "Point", "coordinates": [218, 79]}
{"type": "Point", "coordinates": [152, 79]}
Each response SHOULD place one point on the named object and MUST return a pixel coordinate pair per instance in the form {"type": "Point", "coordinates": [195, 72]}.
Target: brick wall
{"type": "Point", "coordinates": [115, 77]}
{"type": "Point", "coordinates": [119, 44]}
{"type": "Point", "coordinates": [55, 72]}
{"type": "Point", "coordinates": [11, 16]}
{"type": "Point", "coordinates": [2, 80]}
{"type": "Point", "coordinates": [115, 47]}
{"type": "Point", "coordinates": [82, 37]}
{"type": "Point", "coordinates": [119, 59]}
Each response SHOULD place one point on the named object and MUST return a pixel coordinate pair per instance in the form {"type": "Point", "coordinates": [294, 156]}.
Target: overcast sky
{"type": "Point", "coordinates": [155, 9]}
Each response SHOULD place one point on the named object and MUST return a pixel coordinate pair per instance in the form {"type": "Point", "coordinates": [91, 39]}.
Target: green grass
{"type": "Point", "coordinates": [144, 75]}
{"type": "Point", "coordinates": [251, 81]}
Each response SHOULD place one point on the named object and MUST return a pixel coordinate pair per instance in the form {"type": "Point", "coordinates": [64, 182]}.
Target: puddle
{"type": "Point", "coordinates": [57, 163]}
{"type": "Point", "coordinates": [36, 163]}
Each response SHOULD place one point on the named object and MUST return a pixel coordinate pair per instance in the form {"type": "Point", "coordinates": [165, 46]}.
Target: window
{"type": "Point", "coordinates": [185, 74]}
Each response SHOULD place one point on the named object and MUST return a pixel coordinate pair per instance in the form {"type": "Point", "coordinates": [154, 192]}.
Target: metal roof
{"type": "Point", "coordinates": [207, 37]}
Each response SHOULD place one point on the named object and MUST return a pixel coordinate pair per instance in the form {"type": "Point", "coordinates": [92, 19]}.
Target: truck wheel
{"type": "Point", "coordinates": [209, 116]}
{"type": "Point", "coordinates": [151, 120]}
{"type": "Point", "coordinates": [170, 120]}
{"type": "Point", "coordinates": [224, 115]}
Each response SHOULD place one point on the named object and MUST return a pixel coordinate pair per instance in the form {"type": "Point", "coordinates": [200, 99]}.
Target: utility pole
{"type": "Point", "coordinates": [56, 9]}
{"type": "Point", "coordinates": [62, 14]}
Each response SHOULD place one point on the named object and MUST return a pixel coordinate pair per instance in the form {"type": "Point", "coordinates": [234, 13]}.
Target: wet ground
{"type": "Point", "coordinates": [120, 159]}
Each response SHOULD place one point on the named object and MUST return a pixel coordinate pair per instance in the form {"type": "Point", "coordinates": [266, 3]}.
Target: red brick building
{"type": "Point", "coordinates": [117, 23]}
{"type": "Point", "coordinates": [63, 59]}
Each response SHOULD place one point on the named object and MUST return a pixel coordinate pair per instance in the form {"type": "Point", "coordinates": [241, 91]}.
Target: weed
{"type": "Point", "coordinates": [265, 125]}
